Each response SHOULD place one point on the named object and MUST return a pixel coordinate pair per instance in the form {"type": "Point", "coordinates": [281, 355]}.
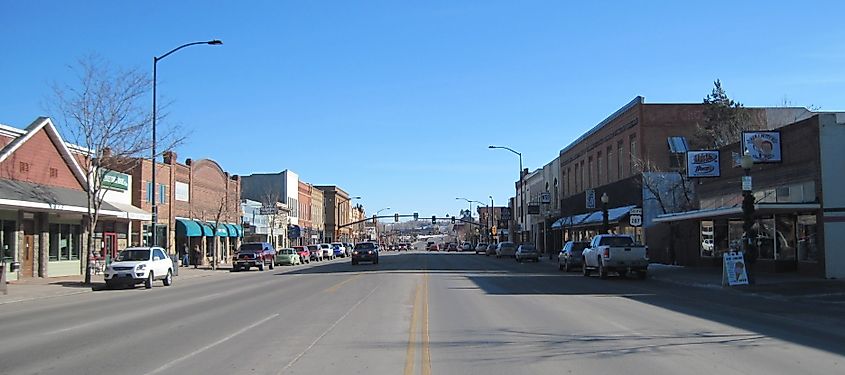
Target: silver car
{"type": "Point", "coordinates": [527, 252]}
{"type": "Point", "coordinates": [570, 255]}
{"type": "Point", "coordinates": [506, 249]}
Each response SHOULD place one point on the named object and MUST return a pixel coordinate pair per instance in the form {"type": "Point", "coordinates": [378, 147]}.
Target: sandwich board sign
{"type": "Point", "coordinates": [733, 269]}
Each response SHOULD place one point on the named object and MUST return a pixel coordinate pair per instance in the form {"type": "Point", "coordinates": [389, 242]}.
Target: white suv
{"type": "Point", "coordinates": [137, 265]}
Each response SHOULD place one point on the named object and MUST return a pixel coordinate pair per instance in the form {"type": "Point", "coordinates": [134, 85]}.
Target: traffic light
{"type": "Point", "coordinates": [493, 230]}
{"type": "Point", "coordinates": [453, 220]}
{"type": "Point", "coordinates": [433, 219]}
{"type": "Point", "coordinates": [416, 216]}
{"type": "Point", "coordinates": [396, 218]}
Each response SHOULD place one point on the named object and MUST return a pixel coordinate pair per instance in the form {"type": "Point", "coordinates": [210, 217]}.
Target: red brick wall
{"type": "Point", "coordinates": [305, 214]}
{"type": "Point", "coordinates": [39, 161]}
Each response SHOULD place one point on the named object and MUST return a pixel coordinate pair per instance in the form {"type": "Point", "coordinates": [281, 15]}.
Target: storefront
{"type": "Point", "coordinates": [584, 226]}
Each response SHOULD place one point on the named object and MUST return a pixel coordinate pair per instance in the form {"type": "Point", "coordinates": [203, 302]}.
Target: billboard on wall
{"type": "Point", "coordinates": [764, 146]}
{"type": "Point", "coordinates": [703, 163]}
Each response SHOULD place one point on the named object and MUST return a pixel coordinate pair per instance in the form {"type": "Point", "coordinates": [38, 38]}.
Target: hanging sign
{"type": "Point", "coordinates": [703, 163]}
{"type": "Point", "coordinates": [764, 147]}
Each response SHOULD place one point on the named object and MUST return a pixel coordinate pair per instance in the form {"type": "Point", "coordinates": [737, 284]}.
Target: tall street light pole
{"type": "Point", "coordinates": [156, 59]}
{"type": "Point", "coordinates": [376, 215]}
{"type": "Point", "coordinates": [746, 161]}
{"type": "Point", "coordinates": [336, 237]}
{"type": "Point", "coordinates": [492, 219]}
{"type": "Point", "coordinates": [520, 191]}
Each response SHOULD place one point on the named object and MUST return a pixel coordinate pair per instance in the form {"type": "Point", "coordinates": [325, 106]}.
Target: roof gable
{"type": "Point", "coordinates": [44, 123]}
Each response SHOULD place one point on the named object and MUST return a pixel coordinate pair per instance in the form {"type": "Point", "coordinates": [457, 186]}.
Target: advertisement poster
{"type": "Point", "coordinates": [703, 164]}
{"type": "Point", "coordinates": [764, 147]}
{"type": "Point", "coordinates": [734, 269]}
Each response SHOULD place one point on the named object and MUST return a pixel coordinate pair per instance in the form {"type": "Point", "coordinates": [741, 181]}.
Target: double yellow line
{"type": "Point", "coordinates": [419, 318]}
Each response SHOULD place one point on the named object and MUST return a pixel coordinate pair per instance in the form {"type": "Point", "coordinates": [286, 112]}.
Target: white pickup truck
{"type": "Point", "coordinates": [615, 253]}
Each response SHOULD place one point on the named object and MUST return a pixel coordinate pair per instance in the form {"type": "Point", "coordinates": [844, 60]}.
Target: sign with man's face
{"type": "Point", "coordinates": [764, 146]}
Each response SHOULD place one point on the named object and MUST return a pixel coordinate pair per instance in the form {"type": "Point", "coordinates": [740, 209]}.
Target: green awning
{"type": "Point", "coordinates": [187, 228]}
{"type": "Point", "coordinates": [240, 230]}
{"type": "Point", "coordinates": [233, 232]}
{"type": "Point", "coordinates": [222, 230]}
{"type": "Point", "coordinates": [207, 230]}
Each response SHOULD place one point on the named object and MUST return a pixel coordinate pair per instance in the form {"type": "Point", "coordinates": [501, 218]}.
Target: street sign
{"type": "Point", "coordinates": [591, 199]}
{"type": "Point", "coordinates": [545, 198]}
{"type": "Point", "coordinates": [637, 211]}
{"type": "Point", "coordinates": [746, 183]}
{"type": "Point", "coordinates": [636, 220]}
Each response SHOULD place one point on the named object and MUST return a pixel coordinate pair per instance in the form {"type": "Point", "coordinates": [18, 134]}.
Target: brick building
{"type": "Point", "coordinates": [338, 212]}
{"type": "Point", "coordinates": [318, 216]}
{"type": "Point", "coordinates": [306, 224]}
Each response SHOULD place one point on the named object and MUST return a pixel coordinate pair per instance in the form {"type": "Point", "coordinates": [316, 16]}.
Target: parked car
{"type": "Point", "coordinates": [287, 257]}
{"type": "Point", "coordinates": [433, 247]}
{"type": "Point", "coordinates": [491, 249]}
{"type": "Point", "coordinates": [365, 252]}
{"type": "Point", "coordinates": [570, 255]}
{"type": "Point", "coordinates": [328, 251]}
{"type": "Point", "coordinates": [452, 247]}
{"type": "Point", "coordinates": [304, 254]}
{"type": "Point", "coordinates": [254, 254]}
{"type": "Point", "coordinates": [338, 250]}
{"type": "Point", "coordinates": [615, 253]}
{"type": "Point", "coordinates": [466, 246]}
{"type": "Point", "coordinates": [137, 265]}
{"type": "Point", "coordinates": [348, 248]}
{"type": "Point", "coordinates": [525, 252]}
{"type": "Point", "coordinates": [506, 249]}
{"type": "Point", "coordinates": [481, 248]}
{"type": "Point", "coordinates": [316, 253]}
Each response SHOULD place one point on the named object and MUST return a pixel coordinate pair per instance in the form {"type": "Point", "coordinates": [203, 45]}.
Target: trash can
{"type": "Point", "coordinates": [175, 259]}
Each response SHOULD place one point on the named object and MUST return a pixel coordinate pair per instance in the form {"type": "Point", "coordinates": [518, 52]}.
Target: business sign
{"type": "Point", "coordinates": [703, 164]}
{"type": "Point", "coordinates": [545, 198]}
{"type": "Point", "coordinates": [114, 180]}
{"type": "Point", "coordinates": [764, 147]}
{"type": "Point", "coordinates": [268, 210]}
{"type": "Point", "coordinates": [505, 213]}
{"type": "Point", "coordinates": [533, 209]}
{"type": "Point", "coordinates": [734, 269]}
{"type": "Point", "coordinates": [591, 198]}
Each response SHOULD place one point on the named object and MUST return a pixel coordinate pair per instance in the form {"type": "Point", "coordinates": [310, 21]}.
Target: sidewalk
{"type": "Point", "coordinates": [40, 288]}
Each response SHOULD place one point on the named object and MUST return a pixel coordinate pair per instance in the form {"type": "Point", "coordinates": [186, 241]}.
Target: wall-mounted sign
{"type": "Point", "coordinates": [764, 147]}
{"type": "Point", "coordinates": [703, 163]}
{"type": "Point", "coordinates": [545, 198]}
{"type": "Point", "coordinates": [181, 192]}
{"type": "Point", "coordinates": [533, 209]}
{"type": "Point", "coordinates": [505, 213]}
{"type": "Point", "coordinates": [114, 180]}
{"type": "Point", "coordinates": [591, 199]}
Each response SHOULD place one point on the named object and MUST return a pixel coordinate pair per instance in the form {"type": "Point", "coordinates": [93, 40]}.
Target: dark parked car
{"type": "Point", "coordinates": [254, 254]}
{"type": "Point", "coordinates": [570, 255]}
{"type": "Point", "coordinates": [466, 246]}
{"type": "Point", "coordinates": [491, 249]}
{"type": "Point", "coordinates": [481, 248]}
{"type": "Point", "coordinates": [365, 252]}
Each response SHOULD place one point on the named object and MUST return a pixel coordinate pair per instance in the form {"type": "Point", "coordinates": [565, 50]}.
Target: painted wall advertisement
{"type": "Point", "coordinates": [703, 163]}
{"type": "Point", "coordinates": [734, 269]}
{"type": "Point", "coordinates": [764, 147]}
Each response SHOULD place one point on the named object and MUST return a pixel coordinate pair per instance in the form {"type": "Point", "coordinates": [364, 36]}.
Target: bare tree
{"type": "Point", "coordinates": [102, 112]}
{"type": "Point", "coordinates": [217, 225]}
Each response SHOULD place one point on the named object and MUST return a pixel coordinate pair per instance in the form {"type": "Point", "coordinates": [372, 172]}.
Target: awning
{"type": "Point", "coordinates": [240, 230]}
{"type": "Point", "coordinates": [728, 212]}
{"type": "Point", "coordinates": [222, 230]}
{"type": "Point", "coordinates": [188, 228]}
{"type": "Point", "coordinates": [592, 218]}
{"type": "Point", "coordinates": [233, 232]}
{"type": "Point", "coordinates": [207, 230]}
{"type": "Point", "coordinates": [20, 194]}
{"type": "Point", "coordinates": [131, 212]}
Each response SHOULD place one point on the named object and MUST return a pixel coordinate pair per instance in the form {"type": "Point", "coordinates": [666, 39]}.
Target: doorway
{"type": "Point", "coordinates": [28, 261]}
{"type": "Point", "coordinates": [109, 246]}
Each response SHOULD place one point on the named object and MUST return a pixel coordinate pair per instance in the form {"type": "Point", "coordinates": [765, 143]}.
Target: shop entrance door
{"type": "Point", "coordinates": [110, 246]}
{"type": "Point", "coordinates": [28, 261]}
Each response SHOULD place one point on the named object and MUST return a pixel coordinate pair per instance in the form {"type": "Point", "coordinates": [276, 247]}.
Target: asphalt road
{"type": "Point", "coordinates": [418, 313]}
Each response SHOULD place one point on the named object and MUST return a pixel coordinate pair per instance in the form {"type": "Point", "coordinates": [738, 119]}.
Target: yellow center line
{"type": "Point", "coordinates": [410, 353]}
{"type": "Point", "coordinates": [337, 286]}
{"type": "Point", "coordinates": [426, 347]}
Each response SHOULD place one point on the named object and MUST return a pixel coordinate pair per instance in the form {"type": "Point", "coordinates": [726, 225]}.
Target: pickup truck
{"type": "Point", "coordinates": [254, 254]}
{"type": "Point", "coordinates": [615, 253]}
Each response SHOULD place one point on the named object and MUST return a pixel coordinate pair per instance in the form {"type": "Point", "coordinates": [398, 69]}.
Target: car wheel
{"type": "Point", "coordinates": [622, 273]}
{"type": "Point", "coordinates": [584, 270]}
{"type": "Point", "coordinates": [642, 275]}
{"type": "Point", "coordinates": [261, 267]}
{"type": "Point", "coordinates": [602, 270]}
{"type": "Point", "coordinates": [109, 284]}
{"type": "Point", "coordinates": [168, 280]}
{"type": "Point", "coordinates": [354, 262]}
{"type": "Point", "coordinates": [566, 265]}
{"type": "Point", "coordinates": [271, 265]}
{"type": "Point", "coordinates": [149, 283]}
{"type": "Point", "coordinates": [376, 261]}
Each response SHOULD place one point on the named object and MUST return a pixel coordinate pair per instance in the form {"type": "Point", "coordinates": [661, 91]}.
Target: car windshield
{"type": "Point", "coordinates": [507, 244]}
{"type": "Point", "coordinates": [482, 245]}
{"type": "Point", "coordinates": [528, 248]}
{"type": "Point", "coordinates": [616, 241]}
{"type": "Point", "coordinates": [579, 246]}
{"type": "Point", "coordinates": [133, 255]}
{"type": "Point", "coordinates": [286, 251]}
{"type": "Point", "coordinates": [365, 246]}
{"type": "Point", "coordinates": [313, 247]}
{"type": "Point", "coordinates": [250, 247]}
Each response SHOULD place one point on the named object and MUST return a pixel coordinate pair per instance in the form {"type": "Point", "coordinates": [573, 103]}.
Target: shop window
{"type": "Point", "coordinates": [708, 239]}
{"type": "Point", "coordinates": [735, 233]}
{"type": "Point", "coordinates": [785, 237]}
{"type": "Point", "coordinates": [806, 233]}
{"type": "Point", "coordinates": [64, 242]}
{"type": "Point", "coordinates": [8, 239]}
{"type": "Point", "coordinates": [766, 238]}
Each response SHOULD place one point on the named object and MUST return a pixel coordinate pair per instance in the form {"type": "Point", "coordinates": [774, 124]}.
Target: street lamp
{"type": "Point", "coordinates": [605, 225]}
{"type": "Point", "coordinates": [520, 189]}
{"type": "Point", "coordinates": [156, 59]}
{"type": "Point", "coordinates": [376, 223]}
{"type": "Point", "coordinates": [336, 235]}
{"type": "Point", "coordinates": [492, 208]}
{"type": "Point", "coordinates": [746, 162]}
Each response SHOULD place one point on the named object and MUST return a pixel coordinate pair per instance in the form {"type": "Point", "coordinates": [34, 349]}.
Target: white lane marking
{"type": "Point", "coordinates": [298, 356]}
{"type": "Point", "coordinates": [209, 346]}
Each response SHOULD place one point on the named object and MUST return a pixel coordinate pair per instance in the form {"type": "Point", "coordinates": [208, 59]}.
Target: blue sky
{"type": "Point", "coordinates": [397, 101]}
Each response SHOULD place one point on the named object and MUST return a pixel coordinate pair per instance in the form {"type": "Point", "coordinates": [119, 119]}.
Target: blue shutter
{"type": "Point", "coordinates": [149, 192]}
{"type": "Point", "coordinates": [161, 191]}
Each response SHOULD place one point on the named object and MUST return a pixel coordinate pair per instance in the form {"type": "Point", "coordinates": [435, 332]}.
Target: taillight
{"type": "Point", "coordinates": [607, 253]}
